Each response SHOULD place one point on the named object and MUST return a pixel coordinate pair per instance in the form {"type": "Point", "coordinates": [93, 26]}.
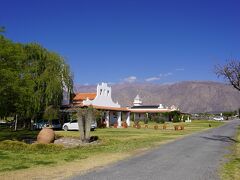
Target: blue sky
{"type": "Point", "coordinates": [130, 40]}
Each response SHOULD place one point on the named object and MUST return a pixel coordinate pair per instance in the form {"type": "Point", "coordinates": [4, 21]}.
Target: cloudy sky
{"type": "Point", "coordinates": [130, 40]}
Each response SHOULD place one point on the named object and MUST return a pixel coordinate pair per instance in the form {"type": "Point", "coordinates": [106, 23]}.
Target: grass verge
{"type": "Point", "coordinates": [18, 157]}
{"type": "Point", "coordinates": [231, 170]}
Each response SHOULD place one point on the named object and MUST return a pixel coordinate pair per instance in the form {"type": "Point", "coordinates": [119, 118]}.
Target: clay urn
{"type": "Point", "coordinates": [46, 136]}
{"type": "Point", "coordinates": [124, 124]}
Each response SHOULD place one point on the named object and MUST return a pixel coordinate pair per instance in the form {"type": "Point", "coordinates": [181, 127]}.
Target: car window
{"type": "Point", "coordinates": [73, 121]}
{"type": "Point", "coordinates": [55, 121]}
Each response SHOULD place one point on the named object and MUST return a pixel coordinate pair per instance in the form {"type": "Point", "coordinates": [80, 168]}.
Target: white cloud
{"type": "Point", "coordinates": [165, 74]}
{"type": "Point", "coordinates": [168, 74]}
{"type": "Point", "coordinates": [152, 79]}
{"type": "Point", "coordinates": [156, 78]}
{"type": "Point", "coordinates": [111, 83]}
{"type": "Point", "coordinates": [130, 79]}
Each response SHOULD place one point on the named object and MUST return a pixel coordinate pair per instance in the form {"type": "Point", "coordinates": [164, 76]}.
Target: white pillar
{"type": "Point", "coordinates": [119, 119]}
{"type": "Point", "coordinates": [107, 118]}
{"type": "Point", "coordinates": [128, 119]}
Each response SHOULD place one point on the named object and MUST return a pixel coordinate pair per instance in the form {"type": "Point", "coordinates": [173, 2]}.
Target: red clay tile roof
{"type": "Point", "coordinates": [149, 110]}
{"type": "Point", "coordinates": [84, 96]}
{"type": "Point", "coordinates": [110, 108]}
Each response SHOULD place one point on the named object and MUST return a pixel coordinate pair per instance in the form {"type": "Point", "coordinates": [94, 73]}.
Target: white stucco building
{"type": "Point", "coordinates": [114, 114]}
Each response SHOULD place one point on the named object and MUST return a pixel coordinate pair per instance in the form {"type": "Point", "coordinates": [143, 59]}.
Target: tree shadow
{"type": "Point", "coordinates": [20, 135]}
{"type": "Point", "coordinates": [221, 138]}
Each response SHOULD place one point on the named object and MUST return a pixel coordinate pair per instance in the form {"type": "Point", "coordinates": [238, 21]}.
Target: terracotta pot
{"type": "Point", "coordinates": [124, 125]}
{"type": "Point", "coordinates": [182, 127]}
{"type": "Point", "coordinates": [164, 126]}
{"type": "Point", "coordinates": [46, 136]}
{"type": "Point", "coordinates": [176, 127]}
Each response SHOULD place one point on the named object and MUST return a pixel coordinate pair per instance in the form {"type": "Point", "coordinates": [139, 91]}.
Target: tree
{"type": "Point", "coordinates": [231, 72]}
{"type": "Point", "coordinates": [51, 113]}
{"type": "Point", "coordinates": [31, 79]}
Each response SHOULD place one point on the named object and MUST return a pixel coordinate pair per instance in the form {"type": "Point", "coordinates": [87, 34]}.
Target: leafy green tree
{"type": "Point", "coordinates": [229, 114]}
{"type": "Point", "coordinates": [31, 79]}
{"type": "Point", "coordinates": [51, 113]}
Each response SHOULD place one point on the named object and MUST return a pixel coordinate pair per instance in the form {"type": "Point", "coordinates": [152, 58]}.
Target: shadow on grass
{"type": "Point", "coordinates": [20, 135]}
{"type": "Point", "coordinates": [17, 167]}
{"type": "Point", "coordinates": [3, 155]}
{"type": "Point", "coordinates": [44, 162]}
{"type": "Point", "coordinates": [221, 138]}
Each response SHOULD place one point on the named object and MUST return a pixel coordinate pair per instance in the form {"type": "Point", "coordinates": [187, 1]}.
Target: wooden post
{"type": "Point", "coordinates": [15, 128]}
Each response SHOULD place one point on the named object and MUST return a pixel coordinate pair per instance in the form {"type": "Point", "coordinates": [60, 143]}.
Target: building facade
{"type": "Point", "coordinates": [114, 114]}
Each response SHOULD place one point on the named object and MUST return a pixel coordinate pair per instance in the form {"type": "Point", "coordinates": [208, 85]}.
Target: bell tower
{"type": "Point", "coordinates": [137, 101]}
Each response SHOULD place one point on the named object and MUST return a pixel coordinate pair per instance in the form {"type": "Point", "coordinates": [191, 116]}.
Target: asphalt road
{"type": "Point", "coordinates": [195, 157]}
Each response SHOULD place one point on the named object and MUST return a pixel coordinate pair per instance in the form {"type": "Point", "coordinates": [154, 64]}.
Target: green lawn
{"type": "Point", "coordinates": [231, 170]}
{"type": "Point", "coordinates": [16, 155]}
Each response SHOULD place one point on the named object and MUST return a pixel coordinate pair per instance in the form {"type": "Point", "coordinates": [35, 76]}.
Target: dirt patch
{"type": "Point", "coordinates": [69, 142]}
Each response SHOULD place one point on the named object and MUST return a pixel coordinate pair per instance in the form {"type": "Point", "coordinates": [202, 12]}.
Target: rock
{"type": "Point", "coordinates": [46, 136]}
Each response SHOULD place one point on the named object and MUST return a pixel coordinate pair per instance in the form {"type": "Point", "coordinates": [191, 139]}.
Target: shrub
{"type": "Point", "coordinates": [176, 119]}
{"type": "Point", "coordinates": [156, 119]}
{"type": "Point", "coordinates": [21, 146]}
{"type": "Point", "coordinates": [13, 145]}
{"type": "Point", "coordinates": [162, 121]}
{"type": "Point", "coordinates": [145, 120]}
{"type": "Point", "coordinates": [185, 117]}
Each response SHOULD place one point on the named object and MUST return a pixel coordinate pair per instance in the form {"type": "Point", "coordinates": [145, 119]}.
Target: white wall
{"type": "Point", "coordinates": [103, 97]}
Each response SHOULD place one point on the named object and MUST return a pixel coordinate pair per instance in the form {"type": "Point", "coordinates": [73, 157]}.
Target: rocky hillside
{"type": "Point", "coordinates": [188, 96]}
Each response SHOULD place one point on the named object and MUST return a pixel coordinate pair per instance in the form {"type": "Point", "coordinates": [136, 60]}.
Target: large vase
{"type": "Point", "coordinates": [46, 136]}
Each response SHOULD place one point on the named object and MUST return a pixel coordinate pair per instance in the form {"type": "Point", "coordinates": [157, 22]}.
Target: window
{"type": "Point", "coordinates": [100, 91]}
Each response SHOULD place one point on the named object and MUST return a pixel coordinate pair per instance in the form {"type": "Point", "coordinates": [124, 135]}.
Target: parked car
{"type": "Point", "coordinates": [73, 125]}
{"type": "Point", "coordinates": [39, 124]}
{"type": "Point", "coordinates": [56, 124]}
{"type": "Point", "coordinates": [218, 118]}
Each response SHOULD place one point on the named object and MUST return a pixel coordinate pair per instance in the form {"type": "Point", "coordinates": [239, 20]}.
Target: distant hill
{"type": "Point", "coordinates": [189, 96]}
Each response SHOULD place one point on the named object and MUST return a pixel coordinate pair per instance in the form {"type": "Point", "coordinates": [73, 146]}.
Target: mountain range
{"type": "Point", "coordinates": [189, 96]}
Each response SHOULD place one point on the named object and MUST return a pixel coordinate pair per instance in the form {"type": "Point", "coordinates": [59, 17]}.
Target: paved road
{"type": "Point", "coordinates": [195, 157]}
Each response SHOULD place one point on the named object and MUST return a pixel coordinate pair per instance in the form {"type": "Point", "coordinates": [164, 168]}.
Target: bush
{"type": "Point", "coordinates": [185, 117]}
{"type": "Point", "coordinates": [145, 120]}
{"type": "Point", "coordinates": [156, 119]}
{"type": "Point", "coordinates": [162, 121]}
{"type": "Point", "coordinates": [21, 146]}
{"type": "Point", "coordinates": [176, 119]}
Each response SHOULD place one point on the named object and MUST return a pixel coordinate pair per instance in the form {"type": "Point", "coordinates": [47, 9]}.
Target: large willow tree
{"type": "Point", "coordinates": [31, 79]}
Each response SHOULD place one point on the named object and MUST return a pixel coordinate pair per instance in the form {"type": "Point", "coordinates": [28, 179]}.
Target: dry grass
{"type": "Point", "coordinates": [231, 170]}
